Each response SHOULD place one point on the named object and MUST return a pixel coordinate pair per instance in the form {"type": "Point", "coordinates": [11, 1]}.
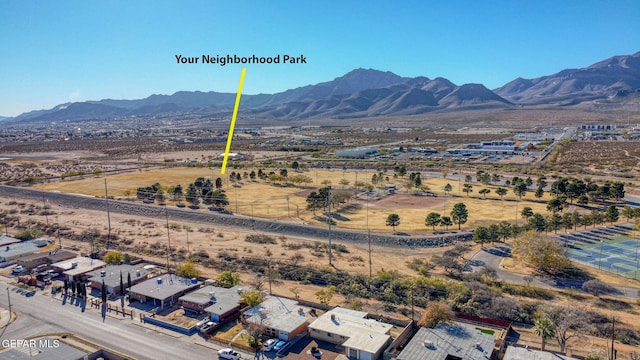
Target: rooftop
{"type": "Point", "coordinates": [518, 353]}
{"type": "Point", "coordinates": [164, 286]}
{"type": "Point", "coordinates": [43, 348]}
{"type": "Point", "coordinates": [364, 334]}
{"type": "Point", "coordinates": [278, 313]}
{"type": "Point", "coordinates": [461, 340]}
{"type": "Point", "coordinates": [83, 265]}
{"type": "Point", "coordinates": [112, 274]}
{"type": "Point", "coordinates": [223, 299]}
{"type": "Point", "coordinates": [55, 255]}
{"type": "Point", "coordinates": [5, 240]}
{"type": "Point", "coordinates": [17, 249]}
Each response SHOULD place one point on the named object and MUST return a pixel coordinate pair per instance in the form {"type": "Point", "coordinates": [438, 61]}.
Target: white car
{"type": "Point", "coordinates": [269, 344]}
{"type": "Point", "coordinates": [228, 354]}
{"type": "Point", "coordinates": [17, 269]}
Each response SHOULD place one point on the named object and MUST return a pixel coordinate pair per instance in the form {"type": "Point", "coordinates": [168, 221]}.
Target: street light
{"type": "Point", "coordinates": [600, 259]}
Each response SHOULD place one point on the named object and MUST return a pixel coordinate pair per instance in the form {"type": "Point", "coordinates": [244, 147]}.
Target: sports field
{"type": "Point", "coordinates": [618, 254]}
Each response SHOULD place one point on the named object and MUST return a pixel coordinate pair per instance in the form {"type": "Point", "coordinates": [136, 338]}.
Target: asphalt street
{"type": "Point", "coordinates": [491, 257]}
{"type": "Point", "coordinates": [40, 314]}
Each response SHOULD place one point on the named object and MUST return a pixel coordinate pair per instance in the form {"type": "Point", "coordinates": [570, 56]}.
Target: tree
{"type": "Point", "coordinates": [617, 190]}
{"type": "Point", "coordinates": [251, 298]}
{"type": "Point", "coordinates": [568, 321]}
{"type": "Point", "coordinates": [121, 283]}
{"type": "Point", "coordinates": [539, 192]}
{"type": "Point", "coordinates": [446, 222]}
{"type": "Point", "coordinates": [556, 204]}
{"type": "Point", "coordinates": [113, 257]}
{"type": "Point", "coordinates": [218, 183]}
{"type": "Point", "coordinates": [612, 214]}
{"type": "Point", "coordinates": [295, 165]}
{"type": "Point", "coordinates": [501, 192]}
{"type": "Point", "coordinates": [484, 192]}
{"type": "Point", "coordinates": [228, 279]}
{"type": "Point", "coordinates": [188, 270]}
{"type": "Point", "coordinates": [325, 295]}
{"type": "Point", "coordinates": [526, 212]}
{"type": "Point", "coordinates": [544, 253]}
{"type": "Point", "coordinates": [520, 189]}
{"type": "Point", "coordinates": [628, 212]}
{"type": "Point", "coordinates": [103, 292]}
{"type": "Point", "coordinates": [467, 188]}
{"type": "Point", "coordinates": [434, 313]}
{"type": "Point", "coordinates": [432, 219]}
{"type": "Point", "coordinates": [537, 222]}
{"type": "Point", "coordinates": [545, 329]}
{"type": "Point", "coordinates": [448, 188]}
{"type": "Point", "coordinates": [481, 235]}
{"type": "Point", "coordinates": [393, 220]}
{"type": "Point", "coordinates": [459, 214]}
{"type": "Point", "coordinates": [192, 194]}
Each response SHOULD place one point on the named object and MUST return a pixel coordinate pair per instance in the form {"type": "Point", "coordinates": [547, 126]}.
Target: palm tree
{"type": "Point", "coordinates": [545, 329]}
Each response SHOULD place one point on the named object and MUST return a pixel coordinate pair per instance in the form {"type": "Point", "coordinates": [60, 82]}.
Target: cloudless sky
{"type": "Point", "coordinates": [52, 52]}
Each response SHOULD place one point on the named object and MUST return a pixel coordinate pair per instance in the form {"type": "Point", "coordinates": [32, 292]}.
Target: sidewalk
{"type": "Point", "coordinates": [5, 317]}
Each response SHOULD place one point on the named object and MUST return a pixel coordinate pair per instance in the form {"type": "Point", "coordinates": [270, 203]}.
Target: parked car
{"type": "Point", "coordinates": [17, 269]}
{"type": "Point", "coordinates": [228, 354]}
{"type": "Point", "coordinates": [269, 344]}
{"type": "Point", "coordinates": [208, 327]}
{"type": "Point", "coordinates": [281, 344]}
{"type": "Point", "coordinates": [52, 273]}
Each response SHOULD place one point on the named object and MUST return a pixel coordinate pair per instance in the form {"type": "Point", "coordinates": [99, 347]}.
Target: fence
{"type": "Point", "coordinates": [186, 331]}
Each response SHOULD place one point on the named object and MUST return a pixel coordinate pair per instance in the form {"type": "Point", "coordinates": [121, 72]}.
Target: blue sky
{"type": "Point", "coordinates": [53, 52]}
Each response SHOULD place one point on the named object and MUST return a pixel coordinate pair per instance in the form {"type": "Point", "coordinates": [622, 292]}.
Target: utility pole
{"type": "Point", "coordinates": [613, 336]}
{"type": "Point", "coordinates": [58, 233]}
{"type": "Point", "coordinates": [329, 214]}
{"type": "Point", "coordinates": [269, 273]}
{"type": "Point", "coordinates": [9, 298]}
{"type": "Point", "coordinates": [106, 197]}
{"type": "Point", "coordinates": [44, 209]}
{"type": "Point", "coordinates": [166, 214]}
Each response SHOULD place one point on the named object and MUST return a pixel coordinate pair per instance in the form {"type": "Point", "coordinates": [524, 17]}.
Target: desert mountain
{"type": "Point", "coordinates": [603, 79]}
{"type": "Point", "coordinates": [368, 92]}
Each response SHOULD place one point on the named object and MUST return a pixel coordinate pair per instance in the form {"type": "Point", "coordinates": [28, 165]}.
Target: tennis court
{"type": "Point", "coordinates": [610, 250]}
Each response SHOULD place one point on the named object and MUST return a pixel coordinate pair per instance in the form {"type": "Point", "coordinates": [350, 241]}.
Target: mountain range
{"type": "Point", "coordinates": [367, 92]}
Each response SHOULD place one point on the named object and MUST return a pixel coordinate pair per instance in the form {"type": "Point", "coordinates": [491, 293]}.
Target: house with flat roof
{"type": "Point", "coordinates": [281, 318]}
{"type": "Point", "coordinates": [455, 341]}
{"type": "Point", "coordinates": [44, 258]}
{"type": "Point", "coordinates": [110, 275]}
{"type": "Point", "coordinates": [76, 268]}
{"type": "Point", "coordinates": [519, 353]}
{"type": "Point", "coordinates": [13, 251]}
{"type": "Point", "coordinates": [220, 303]}
{"type": "Point", "coordinates": [8, 240]}
{"type": "Point", "coordinates": [362, 338]}
{"type": "Point", "coordinates": [163, 291]}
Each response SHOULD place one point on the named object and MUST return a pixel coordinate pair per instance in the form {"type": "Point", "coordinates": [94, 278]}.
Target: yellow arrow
{"type": "Point", "coordinates": [233, 122]}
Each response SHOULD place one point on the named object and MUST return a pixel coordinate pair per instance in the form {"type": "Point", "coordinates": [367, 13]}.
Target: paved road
{"type": "Point", "coordinates": [491, 258]}
{"type": "Point", "coordinates": [40, 314]}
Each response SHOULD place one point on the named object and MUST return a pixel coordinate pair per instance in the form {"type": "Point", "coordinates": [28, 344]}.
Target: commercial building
{"type": "Point", "coordinates": [518, 353]}
{"type": "Point", "coordinates": [44, 258]}
{"type": "Point", "coordinates": [110, 275]}
{"type": "Point", "coordinates": [13, 251]}
{"type": "Point", "coordinates": [357, 153]}
{"type": "Point", "coordinates": [76, 268]}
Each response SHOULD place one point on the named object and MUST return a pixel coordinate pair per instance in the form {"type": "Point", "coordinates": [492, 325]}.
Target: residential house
{"type": "Point", "coordinates": [519, 353]}
{"type": "Point", "coordinates": [15, 250]}
{"type": "Point", "coordinates": [362, 338]}
{"type": "Point", "coordinates": [163, 291]}
{"type": "Point", "coordinates": [281, 318]}
{"type": "Point", "coordinates": [220, 303]}
{"type": "Point", "coordinates": [44, 258]}
{"type": "Point", "coordinates": [455, 341]}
